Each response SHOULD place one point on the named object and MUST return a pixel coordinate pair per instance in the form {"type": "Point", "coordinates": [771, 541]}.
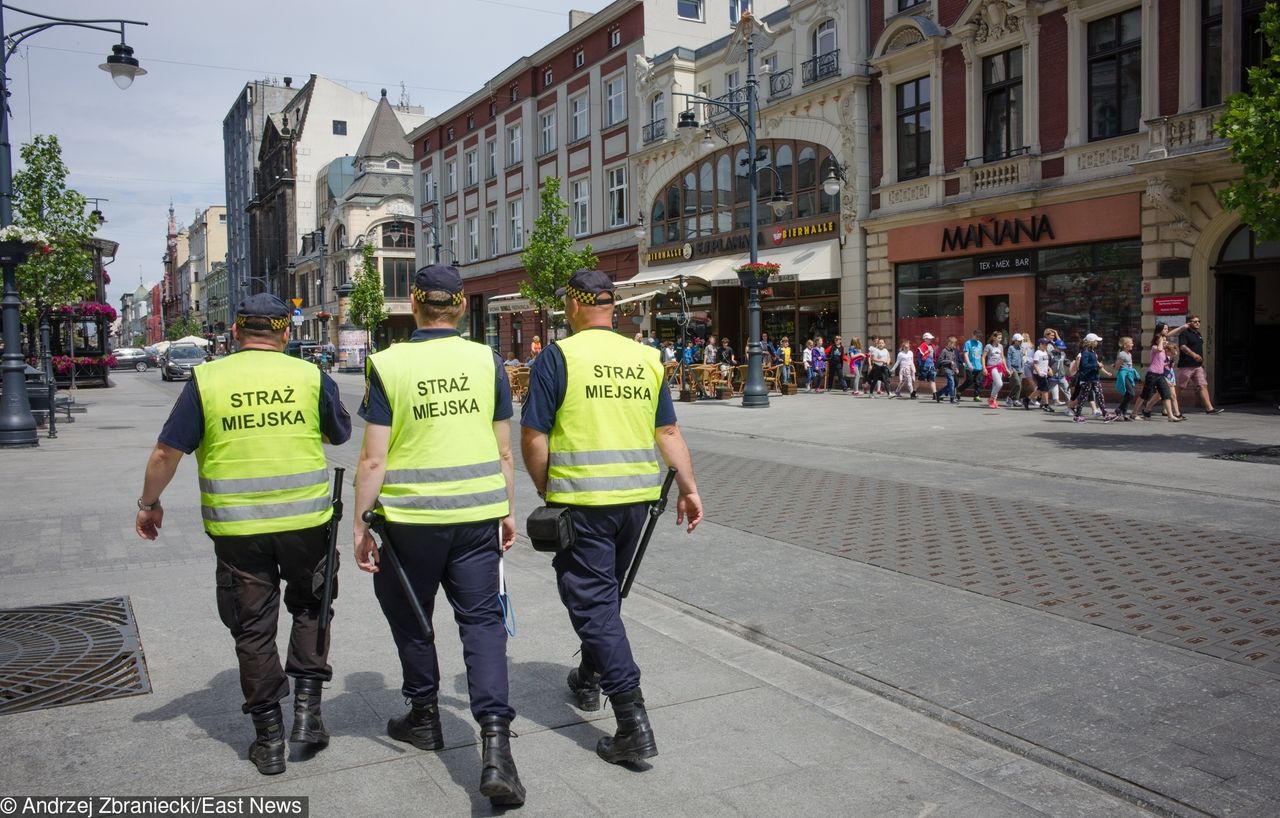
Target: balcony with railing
{"type": "Point", "coordinates": [821, 67]}
{"type": "Point", "coordinates": [736, 100]}
{"type": "Point", "coordinates": [1185, 133]}
{"type": "Point", "coordinates": [780, 83]}
{"type": "Point", "coordinates": [653, 131]}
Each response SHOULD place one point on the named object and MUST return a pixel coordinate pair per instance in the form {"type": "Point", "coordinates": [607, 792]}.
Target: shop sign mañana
{"type": "Point", "coordinates": [994, 233]}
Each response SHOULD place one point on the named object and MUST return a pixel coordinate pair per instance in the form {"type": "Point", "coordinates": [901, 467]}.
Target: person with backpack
{"type": "Point", "coordinates": [972, 361]}
{"type": "Point", "coordinates": [1015, 361]}
{"type": "Point", "coordinates": [928, 365]}
{"type": "Point", "coordinates": [835, 365]}
{"type": "Point", "coordinates": [949, 366]}
{"type": "Point", "coordinates": [1087, 368]}
{"type": "Point", "coordinates": [817, 366]}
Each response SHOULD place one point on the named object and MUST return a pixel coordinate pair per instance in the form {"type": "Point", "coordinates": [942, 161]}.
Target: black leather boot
{"type": "Point", "coordinates": [499, 781]}
{"type": "Point", "coordinates": [634, 740]}
{"type": "Point", "coordinates": [268, 750]}
{"type": "Point", "coordinates": [420, 726]}
{"type": "Point", "coordinates": [585, 686]}
{"type": "Point", "coordinates": [308, 727]}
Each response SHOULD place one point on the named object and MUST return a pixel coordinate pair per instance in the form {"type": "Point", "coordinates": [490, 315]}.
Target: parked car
{"type": "Point", "coordinates": [135, 358]}
{"type": "Point", "coordinates": [179, 360]}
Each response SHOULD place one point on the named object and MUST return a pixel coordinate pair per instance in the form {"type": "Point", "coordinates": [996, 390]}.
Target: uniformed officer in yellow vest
{"type": "Point", "coordinates": [436, 464]}
{"type": "Point", "coordinates": [256, 420]}
{"type": "Point", "coordinates": [597, 406]}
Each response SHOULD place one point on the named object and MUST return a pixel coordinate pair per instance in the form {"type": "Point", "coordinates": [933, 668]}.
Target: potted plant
{"type": "Point", "coordinates": [755, 275]}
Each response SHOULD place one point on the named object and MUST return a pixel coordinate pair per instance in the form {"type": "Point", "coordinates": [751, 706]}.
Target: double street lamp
{"type": "Point", "coordinates": [746, 111]}
{"type": "Point", "coordinates": [17, 424]}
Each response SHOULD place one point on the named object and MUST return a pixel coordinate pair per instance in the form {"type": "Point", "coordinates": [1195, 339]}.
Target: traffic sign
{"type": "Point", "coordinates": [297, 313]}
{"type": "Point", "coordinates": [297, 302]}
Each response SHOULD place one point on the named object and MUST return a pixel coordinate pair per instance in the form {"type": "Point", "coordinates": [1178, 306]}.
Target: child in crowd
{"type": "Point", "coordinates": [1040, 372]}
{"type": "Point", "coordinates": [994, 367]}
{"type": "Point", "coordinates": [949, 365]}
{"type": "Point", "coordinates": [1028, 375]}
{"type": "Point", "coordinates": [928, 364]}
{"type": "Point", "coordinates": [1171, 355]}
{"type": "Point", "coordinates": [1087, 380]}
{"type": "Point", "coordinates": [784, 360]}
{"type": "Point", "coordinates": [1057, 367]}
{"type": "Point", "coordinates": [879, 378]}
{"type": "Point", "coordinates": [905, 366]}
{"type": "Point", "coordinates": [857, 359]}
{"type": "Point", "coordinates": [817, 366]}
{"type": "Point", "coordinates": [807, 360]}
{"type": "Point", "coordinates": [1014, 360]}
{"type": "Point", "coordinates": [1126, 378]}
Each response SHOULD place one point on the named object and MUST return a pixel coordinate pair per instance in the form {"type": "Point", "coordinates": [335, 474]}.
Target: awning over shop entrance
{"type": "Point", "coordinates": [808, 262]}
{"type": "Point", "coordinates": [511, 302]}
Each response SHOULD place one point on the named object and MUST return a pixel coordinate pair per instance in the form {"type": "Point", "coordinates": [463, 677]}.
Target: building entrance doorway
{"type": "Point", "coordinates": [1247, 316]}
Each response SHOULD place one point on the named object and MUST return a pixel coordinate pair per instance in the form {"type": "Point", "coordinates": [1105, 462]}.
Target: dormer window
{"type": "Point", "coordinates": [615, 38]}
{"type": "Point", "coordinates": [579, 57]}
{"type": "Point", "coordinates": [471, 122]}
{"type": "Point", "coordinates": [547, 78]}
{"type": "Point", "coordinates": [449, 134]}
{"type": "Point", "coordinates": [515, 93]}
{"type": "Point", "coordinates": [393, 164]}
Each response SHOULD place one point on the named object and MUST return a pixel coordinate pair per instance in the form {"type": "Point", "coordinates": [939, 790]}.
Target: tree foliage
{"type": "Point", "coordinates": [365, 305]}
{"type": "Point", "coordinates": [42, 201]}
{"type": "Point", "coordinates": [549, 258]}
{"type": "Point", "coordinates": [1252, 124]}
{"type": "Point", "coordinates": [182, 327]}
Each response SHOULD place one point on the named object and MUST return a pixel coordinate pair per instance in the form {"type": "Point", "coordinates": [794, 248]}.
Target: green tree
{"type": "Point", "coordinates": [183, 327]}
{"type": "Point", "coordinates": [365, 305]}
{"type": "Point", "coordinates": [42, 201]}
{"type": "Point", "coordinates": [1252, 124]}
{"type": "Point", "coordinates": [549, 258]}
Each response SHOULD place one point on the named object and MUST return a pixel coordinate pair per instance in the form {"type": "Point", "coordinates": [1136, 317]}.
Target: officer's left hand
{"type": "Point", "coordinates": [366, 552]}
{"type": "Point", "coordinates": [508, 532]}
{"type": "Point", "coordinates": [148, 523]}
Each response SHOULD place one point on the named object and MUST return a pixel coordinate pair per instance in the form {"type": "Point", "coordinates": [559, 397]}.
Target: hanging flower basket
{"type": "Point", "coordinates": [756, 275]}
{"type": "Point", "coordinates": [87, 309]}
{"type": "Point", "coordinates": [16, 243]}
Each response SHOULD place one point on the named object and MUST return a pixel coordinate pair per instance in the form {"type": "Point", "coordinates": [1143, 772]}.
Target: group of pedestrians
{"type": "Point", "coordinates": [436, 481]}
{"type": "Point", "coordinates": [1024, 372]}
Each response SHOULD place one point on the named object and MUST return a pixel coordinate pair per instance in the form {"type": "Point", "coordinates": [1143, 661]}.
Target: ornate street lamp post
{"type": "Point", "coordinates": [17, 424]}
{"type": "Point", "coordinates": [754, 393]}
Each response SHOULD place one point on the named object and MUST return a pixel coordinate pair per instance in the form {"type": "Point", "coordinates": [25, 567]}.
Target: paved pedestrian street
{"type": "Point", "coordinates": [894, 609]}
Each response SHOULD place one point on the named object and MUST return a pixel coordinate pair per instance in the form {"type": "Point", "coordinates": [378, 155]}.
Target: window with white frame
{"type": "Point", "coordinates": [450, 177]}
{"type": "Point", "coordinates": [428, 186]}
{"type": "Point", "coordinates": [547, 78]}
{"type": "Point", "coordinates": [473, 239]}
{"type": "Point", "coordinates": [914, 128]}
{"type": "Point", "coordinates": [1115, 74]}
{"type": "Point", "coordinates": [732, 82]}
{"type": "Point", "coordinates": [472, 172]}
{"type": "Point", "coordinates": [616, 181]}
{"type": "Point", "coordinates": [493, 233]}
{"type": "Point", "coordinates": [579, 121]}
{"type": "Point", "coordinates": [515, 224]}
{"type": "Point", "coordinates": [615, 99]}
{"type": "Point", "coordinates": [1001, 105]}
{"type": "Point", "coordinates": [689, 9]}
{"type": "Point", "coordinates": [1210, 53]}
{"type": "Point", "coordinates": [579, 57]}
{"type": "Point", "coordinates": [903, 5]}
{"type": "Point", "coordinates": [658, 108]}
{"type": "Point", "coordinates": [490, 158]}
{"type": "Point", "coordinates": [515, 145]}
{"type": "Point", "coordinates": [547, 132]}
{"type": "Point", "coordinates": [581, 199]}
{"type": "Point", "coordinates": [452, 242]}
{"type": "Point", "coordinates": [824, 38]}
{"type": "Point", "coordinates": [615, 38]}
{"type": "Point", "coordinates": [736, 9]}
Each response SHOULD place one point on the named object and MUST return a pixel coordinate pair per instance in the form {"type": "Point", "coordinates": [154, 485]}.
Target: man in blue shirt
{"type": "Point", "coordinates": [972, 365]}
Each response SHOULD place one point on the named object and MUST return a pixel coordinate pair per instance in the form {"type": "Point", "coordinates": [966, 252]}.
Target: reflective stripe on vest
{"type": "Point", "coordinates": [262, 463]}
{"type": "Point", "coordinates": [601, 444]}
{"type": "Point", "coordinates": [442, 458]}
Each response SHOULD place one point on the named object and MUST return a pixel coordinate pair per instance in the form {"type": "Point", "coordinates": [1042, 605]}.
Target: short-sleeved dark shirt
{"type": "Point", "coordinates": [1192, 340]}
{"type": "Point", "coordinates": [376, 409]}
{"type": "Point", "coordinates": [185, 427]}
{"type": "Point", "coordinates": [547, 386]}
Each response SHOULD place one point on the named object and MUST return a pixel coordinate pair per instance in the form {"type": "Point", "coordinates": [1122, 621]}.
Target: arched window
{"type": "Point", "coordinates": [673, 213]}
{"type": "Point", "coordinates": [724, 195]}
{"type": "Point", "coordinates": [806, 177]}
{"type": "Point", "coordinates": [824, 38]}
{"type": "Point", "coordinates": [339, 237]}
{"type": "Point", "coordinates": [393, 164]}
{"type": "Point", "coordinates": [657, 223]}
{"type": "Point", "coordinates": [690, 204]}
{"type": "Point", "coordinates": [1244, 246]}
{"type": "Point", "coordinates": [706, 197]}
{"type": "Point", "coordinates": [398, 235]}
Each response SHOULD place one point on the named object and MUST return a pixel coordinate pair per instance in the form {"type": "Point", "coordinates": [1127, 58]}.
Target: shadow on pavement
{"type": "Point", "coordinates": [1090, 436]}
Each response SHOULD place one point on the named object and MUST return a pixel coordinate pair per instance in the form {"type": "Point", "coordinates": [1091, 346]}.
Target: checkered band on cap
{"type": "Point", "coordinates": [420, 296]}
{"type": "Point", "coordinates": [277, 324]}
{"type": "Point", "coordinates": [584, 297]}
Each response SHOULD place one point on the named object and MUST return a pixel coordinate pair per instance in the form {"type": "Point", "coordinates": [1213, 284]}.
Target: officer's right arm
{"type": "Point", "coordinates": [676, 452]}
{"type": "Point", "coordinates": [369, 475]}
{"type": "Point", "coordinates": [536, 450]}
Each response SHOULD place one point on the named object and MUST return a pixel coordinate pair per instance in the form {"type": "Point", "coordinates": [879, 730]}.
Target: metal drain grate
{"type": "Point", "coordinates": [55, 655]}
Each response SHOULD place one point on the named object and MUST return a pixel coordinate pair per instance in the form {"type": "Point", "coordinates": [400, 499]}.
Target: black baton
{"type": "Point", "coordinates": [375, 522]}
{"type": "Point", "coordinates": [330, 562]}
{"type": "Point", "coordinates": [655, 511]}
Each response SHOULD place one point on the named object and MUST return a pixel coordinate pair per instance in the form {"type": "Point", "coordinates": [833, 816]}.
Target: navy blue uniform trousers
{"type": "Point", "coordinates": [590, 577]}
{"type": "Point", "coordinates": [464, 560]}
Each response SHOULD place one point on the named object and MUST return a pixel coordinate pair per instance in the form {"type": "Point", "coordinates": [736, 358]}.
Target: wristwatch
{"type": "Point", "coordinates": [148, 506]}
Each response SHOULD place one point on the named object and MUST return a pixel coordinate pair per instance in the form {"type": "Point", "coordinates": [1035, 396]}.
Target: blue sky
{"type": "Point", "coordinates": [161, 139]}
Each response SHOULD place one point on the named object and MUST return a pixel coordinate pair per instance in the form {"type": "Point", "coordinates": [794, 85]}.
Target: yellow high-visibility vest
{"type": "Point", "coordinates": [602, 450]}
{"type": "Point", "coordinates": [443, 466]}
{"type": "Point", "coordinates": [262, 464]}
